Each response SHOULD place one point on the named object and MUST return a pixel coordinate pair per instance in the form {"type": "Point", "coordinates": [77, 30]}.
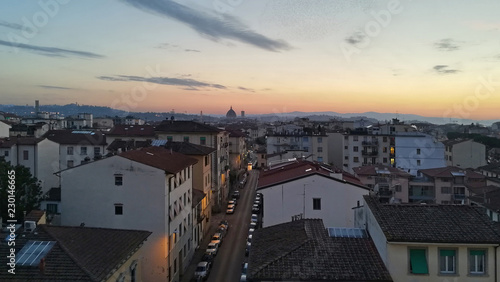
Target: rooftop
{"type": "Point", "coordinates": [132, 130]}
{"type": "Point", "coordinates": [302, 250]}
{"type": "Point", "coordinates": [73, 137]}
{"type": "Point", "coordinates": [161, 158]}
{"type": "Point", "coordinates": [372, 170]}
{"type": "Point", "coordinates": [79, 254]}
{"type": "Point", "coordinates": [432, 223]}
{"type": "Point", "coordinates": [449, 171]}
{"type": "Point", "coordinates": [175, 126]}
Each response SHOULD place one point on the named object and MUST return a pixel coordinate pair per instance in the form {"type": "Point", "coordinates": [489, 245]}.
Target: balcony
{"type": "Point", "coordinates": [370, 143]}
{"type": "Point", "coordinates": [369, 153]}
{"type": "Point", "coordinates": [458, 197]}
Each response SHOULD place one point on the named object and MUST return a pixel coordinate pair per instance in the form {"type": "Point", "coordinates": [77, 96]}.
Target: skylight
{"type": "Point", "coordinates": [33, 252]}
{"type": "Point", "coordinates": [343, 232]}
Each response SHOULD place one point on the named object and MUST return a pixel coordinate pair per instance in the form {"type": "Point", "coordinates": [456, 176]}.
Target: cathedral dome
{"type": "Point", "coordinates": [231, 113]}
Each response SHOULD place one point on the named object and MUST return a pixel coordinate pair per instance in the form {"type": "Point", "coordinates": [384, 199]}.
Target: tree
{"type": "Point", "coordinates": [27, 191]}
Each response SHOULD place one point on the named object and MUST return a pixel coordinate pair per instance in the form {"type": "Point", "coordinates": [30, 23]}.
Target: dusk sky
{"type": "Point", "coordinates": [432, 58]}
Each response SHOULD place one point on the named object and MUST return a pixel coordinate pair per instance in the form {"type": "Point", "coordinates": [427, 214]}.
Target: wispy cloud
{"type": "Point", "coordinates": [188, 84]}
{"type": "Point", "coordinates": [51, 51]}
{"type": "Point", "coordinates": [11, 25]}
{"type": "Point", "coordinates": [356, 38]}
{"type": "Point", "coordinates": [447, 44]}
{"type": "Point", "coordinates": [192, 50]}
{"type": "Point", "coordinates": [444, 69]}
{"type": "Point", "coordinates": [210, 26]}
{"type": "Point", "coordinates": [55, 87]}
{"type": "Point", "coordinates": [246, 89]}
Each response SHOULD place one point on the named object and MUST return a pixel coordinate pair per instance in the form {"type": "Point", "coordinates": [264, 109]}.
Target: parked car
{"type": "Point", "coordinates": [207, 257]}
{"type": "Point", "coordinates": [218, 242]}
{"type": "Point", "coordinates": [236, 194]}
{"type": "Point", "coordinates": [249, 239]}
{"type": "Point", "coordinates": [247, 249]}
{"type": "Point", "coordinates": [244, 269]}
{"type": "Point", "coordinates": [254, 218]}
{"type": "Point", "coordinates": [255, 208]}
{"type": "Point", "coordinates": [217, 236]}
{"type": "Point", "coordinates": [232, 202]}
{"type": "Point", "coordinates": [213, 248]}
{"type": "Point", "coordinates": [230, 209]}
{"type": "Point", "coordinates": [224, 223]}
{"type": "Point", "coordinates": [256, 202]}
{"type": "Point", "coordinates": [253, 225]}
{"type": "Point", "coordinates": [250, 231]}
{"type": "Point", "coordinates": [202, 270]}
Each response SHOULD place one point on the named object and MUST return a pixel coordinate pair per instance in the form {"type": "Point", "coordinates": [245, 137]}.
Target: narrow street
{"type": "Point", "coordinates": [227, 265]}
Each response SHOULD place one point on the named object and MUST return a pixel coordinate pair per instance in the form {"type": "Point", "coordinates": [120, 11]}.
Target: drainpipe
{"type": "Point", "coordinates": [496, 274]}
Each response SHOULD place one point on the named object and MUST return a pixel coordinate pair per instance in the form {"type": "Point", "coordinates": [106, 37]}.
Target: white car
{"type": "Point", "coordinates": [213, 248]}
{"type": "Point", "coordinates": [202, 270]}
{"type": "Point", "coordinates": [254, 218]}
{"type": "Point", "coordinates": [230, 209]}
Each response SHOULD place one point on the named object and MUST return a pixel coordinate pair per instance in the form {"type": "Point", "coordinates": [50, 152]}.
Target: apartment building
{"type": "Point", "coordinates": [465, 153]}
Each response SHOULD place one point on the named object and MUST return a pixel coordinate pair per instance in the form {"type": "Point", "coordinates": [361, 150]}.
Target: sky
{"type": "Point", "coordinates": [426, 57]}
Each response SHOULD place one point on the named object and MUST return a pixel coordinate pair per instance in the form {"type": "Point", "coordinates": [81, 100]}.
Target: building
{"type": "Point", "coordinates": [465, 153]}
{"type": "Point", "coordinates": [305, 189]}
{"type": "Point", "coordinates": [304, 250]}
{"type": "Point", "coordinates": [146, 189]}
{"type": "Point", "coordinates": [66, 253]}
{"type": "Point", "coordinates": [231, 113]}
{"type": "Point", "coordinates": [4, 129]}
{"type": "Point", "coordinates": [313, 145]}
{"type": "Point", "coordinates": [237, 149]}
{"type": "Point", "coordinates": [388, 183]}
{"type": "Point", "coordinates": [432, 242]}
{"type": "Point", "coordinates": [444, 185]}
{"type": "Point", "coordinates": [205, 135]}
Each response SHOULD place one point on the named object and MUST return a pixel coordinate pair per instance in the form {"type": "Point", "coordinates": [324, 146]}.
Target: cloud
{"type": "Point", "coordinates": [443, 69]}
{"type": "Point", "coordinates": [11, 25]}
{"type": "Point", "coordinates": [55, 87]}
{"type": "Point", "coordinates": [356, 38]}
{"type": "Point", "coordinates": [447, 44]}
{"type": "Point", "coordinates": [188, 84]}
{"type": "Point", "coordinates": [210, 26]}
{"type": "Point", "coordinates": [51, 51]}
{"type": "Point", "coordinates": [246, 89]}
{"type": "Point", "coordinates": [192, 50]}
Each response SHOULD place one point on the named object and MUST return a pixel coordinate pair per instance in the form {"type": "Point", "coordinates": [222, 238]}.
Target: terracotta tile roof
{"type": "Point", "coordinates": [11, 141]}
{"type": "Point", "coordinates": [185, 126]}
{"type": "Point", "coordinates": [454, 141]}
{"type": "Point", "coordinates": [302, 250]}
{"type": "Point", "coordinates": [187, 148]}
{"type": "Point", "coordinates": [433, 223]}
{"type": "Point", "coordinates": [447, 170]}
{"type": "Point", "coordinates": [132, 130]}
{"type": "Point", "coordinates": [71, 137]}
{"type": "Point", "coordinates": [290, 171]}
{"type": "Point", "coordinates": [236, 133]}
{"type": "Point", "coordinates": [127, 145]}
{"type": "Point", "coordinates": [167, 160]}
{"type": "Point", "coordinates": [80, 253]}
{"type": "Point", "coordinates": [34, 215]}
{"type": "Point", "coordinates": [371, 170]}
{"type": "Point", "coordinates": [494, 167]}
{"type": "Point", "coordinates": [489, 197]}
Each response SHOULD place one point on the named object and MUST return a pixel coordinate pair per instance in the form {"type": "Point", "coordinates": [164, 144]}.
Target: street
{"type": "Point", "coordinates": [228, 262]}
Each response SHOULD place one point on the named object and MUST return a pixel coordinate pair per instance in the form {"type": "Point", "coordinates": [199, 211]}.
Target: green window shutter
{"type": "Point", "coordinates": [418, 262]}
{"type": "Point", "coordinates": [447, 253]}
{"type": "Point", "coordinates": [477, 253]}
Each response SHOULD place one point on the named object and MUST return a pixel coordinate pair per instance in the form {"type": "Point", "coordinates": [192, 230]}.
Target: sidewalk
{"type": "Point", "coordinates": [214, 224]}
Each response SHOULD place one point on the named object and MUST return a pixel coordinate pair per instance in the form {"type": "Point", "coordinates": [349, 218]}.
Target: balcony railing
{"type": "Point", "coordinates": [370, 143]}
{"type": "Point", "coordinates": [369, 153]}
{"type": "Point", "coordinates": [458, 196]}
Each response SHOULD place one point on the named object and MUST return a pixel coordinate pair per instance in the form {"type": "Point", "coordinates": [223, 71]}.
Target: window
{"type": "Point", "coordinates": [6, 153]}
{"type": "Point", "coordinates": [398, 188]}
{"type": "Point", "coordinates": [133, 271]}
{"type": "Point", "coordinates": [445, 190]}
{"type": "Point", "coordinates": [384, 160]}
{"type": "Point", "coordinates": [52, 208]}
{"type": "Point", "coordinates": [69, 150]}
{"type": "Point", "coordinates": [169, 138]}
{"type": "Point", "coordinates": [418, 151]}
{"type": "Point", "coordinates": [175, 266]}
{"type": "Point", "coordinates": [346, 158]}
{"type": "Point", "coordinates": [384, 150]}
{"type": "Point", "coordinates": [355, 138]}
{"type": "Point", "coordinates": [447, 260]}
{"type": "Point", "coordinates": [203, 140]}
{"type": "Point", "coordinates": [320, 140]}
{"type": "Point", "coordinates": [83, 151]}
{"type": "Point", "coordinates": [118, 209]}
{"type": "Point", "coordinates": [70, 163]}
{"type": "Point", "coordinates": [320, 149]}
{"type": "Point", "coordinates": [186, 138]}
{"type": "Point", "coordinates": [346, 147]}
{"type": "Point", "coordinates": [306, 149]}
{"type": "Point", "coordinates": [356, 159]}
{"type": "Point", "coordinates": [97, 151]}
{"type": "Point", "coordinates": [118, 179]}
{"type": "Point", "coordinates": [355, 148]}
{"type": "Point", "coordinates": [418, 261]}
{"type": "Point", "coordinates": [384, 139]}
{"type": "Point", "coordinates": [26, 155]}
{"type": "Point", "coordinates": [477, 262]}
{"type": "Point", "coordinates": [320, 159]}
{"type": "Point", "coordinates": [418, 162]}
{"type": "Point", "coordinates": [305, 139]}
{"type": "Point", "coordinates": [316, 203]}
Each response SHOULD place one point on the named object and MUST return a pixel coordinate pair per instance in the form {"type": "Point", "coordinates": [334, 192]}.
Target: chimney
{"type": "Point", "coordinates": [41, 266]}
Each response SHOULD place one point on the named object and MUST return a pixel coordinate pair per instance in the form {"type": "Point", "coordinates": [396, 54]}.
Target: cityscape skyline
{"type": "Point", "coordinates": [408, 57]}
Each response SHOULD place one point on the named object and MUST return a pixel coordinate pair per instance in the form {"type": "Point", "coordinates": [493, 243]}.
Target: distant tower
{"type": "Point", "coordinates": [37, 107]}
{"type": "Point", "coordinates": [231, 113]}
{"type": "Point", "coordinates": [242, 114]}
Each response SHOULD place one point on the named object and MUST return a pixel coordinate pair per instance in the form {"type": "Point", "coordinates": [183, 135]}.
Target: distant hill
{"type": "Point", "coordinates": [99, 111]}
